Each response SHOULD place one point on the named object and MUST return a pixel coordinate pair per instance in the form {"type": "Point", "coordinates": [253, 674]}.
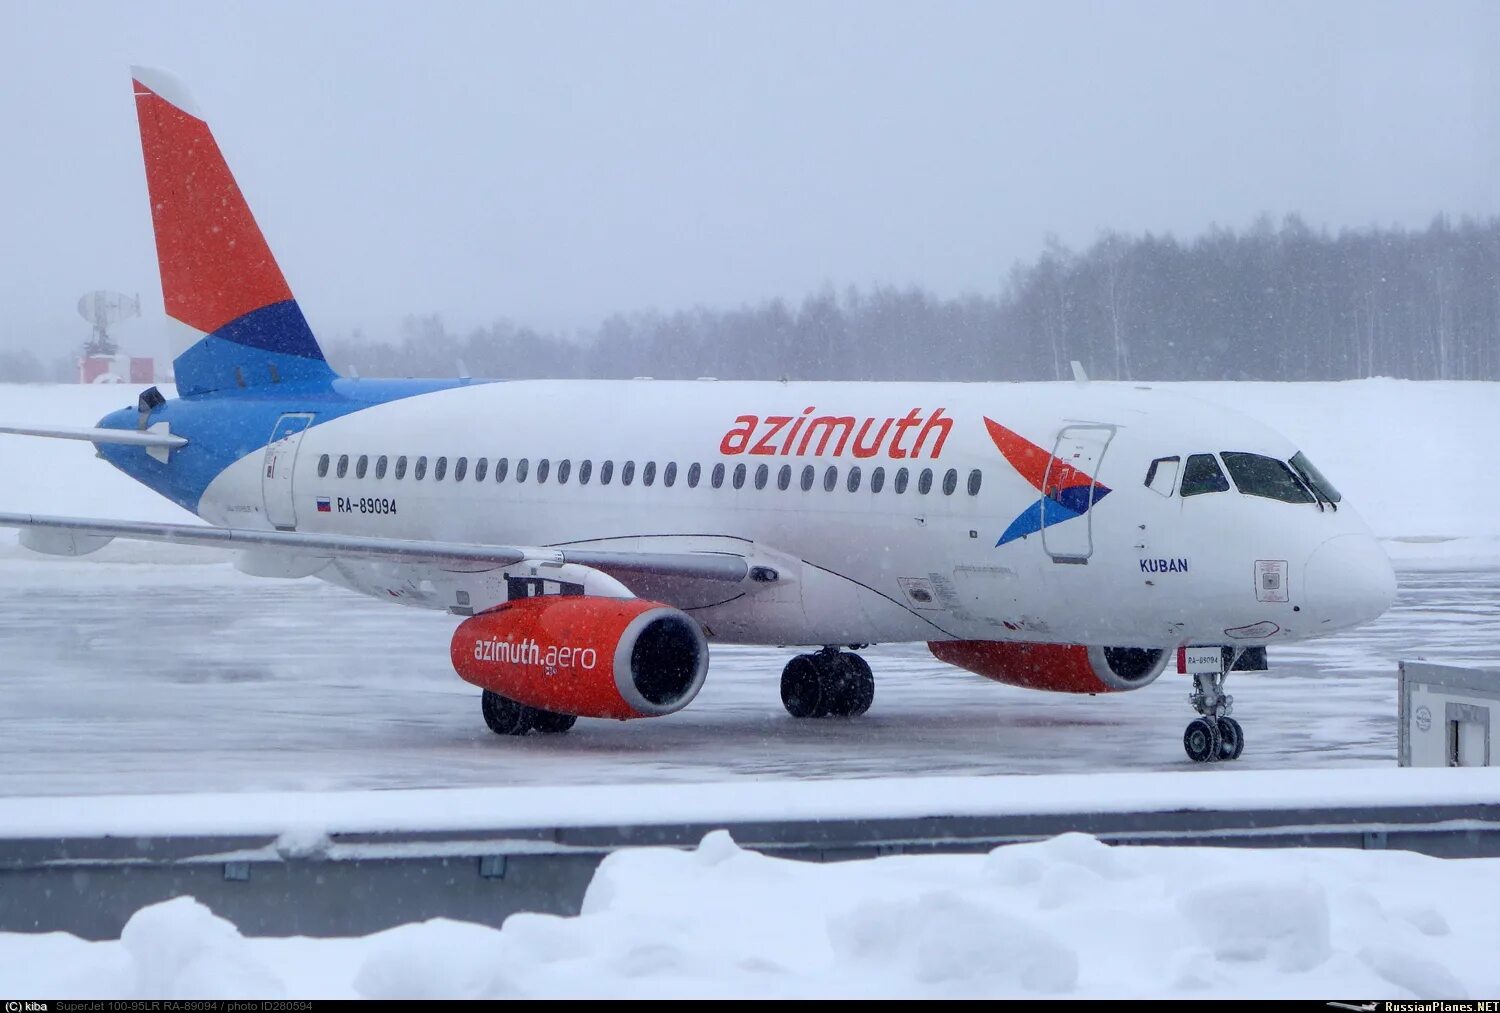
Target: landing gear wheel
{"type": "Point", "coordinates": [802, 690]}
{"type": "Point", "coordinates": [551, 722]}
{"type": "Point", "coordinates": [857, 687]}
{"type": "Point", "coordinates": [831, 683]}
{"type": "Point", "coordinates": [510, 717]}
{"type": "Point", "coordinates": [1233, 739]}
{"type": "Point", "coordinates": [1202, 740]}
{"type": "Point", "coordinates": [504, 715]}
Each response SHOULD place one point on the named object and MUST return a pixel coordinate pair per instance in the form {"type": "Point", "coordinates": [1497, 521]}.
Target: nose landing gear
{"type": "Point", "coordinates": [829, 684]}
{"type": "Point", "coordinates": [1214, 735]}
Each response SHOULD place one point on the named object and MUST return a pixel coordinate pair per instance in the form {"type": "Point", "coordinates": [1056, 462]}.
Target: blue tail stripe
{"type": "Point", "coordinates": [271, 345]}
{"type": "Point", "coordinates": [279, 327]}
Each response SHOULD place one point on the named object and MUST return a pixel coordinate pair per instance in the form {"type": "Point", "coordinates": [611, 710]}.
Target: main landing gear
{"type": "Point", "coordinates": [1215, 735]}
{"type": "Point", "coordinates": [829, 684]}
{"type": "Point", "coordinates": [508, 717]}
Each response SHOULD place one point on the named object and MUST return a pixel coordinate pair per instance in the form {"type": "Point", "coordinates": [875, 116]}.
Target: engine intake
{"type": "Point", "coordinates": [590, 656]}
{"type": "Point", "coordinates": [1060, 668]}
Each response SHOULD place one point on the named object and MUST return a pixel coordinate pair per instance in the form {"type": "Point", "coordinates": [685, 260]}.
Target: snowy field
{"type": "Point", "coordinates": [150, 669]}
{"type": "Point", "coordinates": [1068, 917]}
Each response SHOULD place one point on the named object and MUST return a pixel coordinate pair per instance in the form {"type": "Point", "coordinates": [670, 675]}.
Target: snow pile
{"type": "Point", "coordinates": [1063, 917]}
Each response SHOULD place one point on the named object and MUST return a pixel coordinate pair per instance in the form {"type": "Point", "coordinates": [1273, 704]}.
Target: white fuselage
{"type": "Point", "coordinates": [1143, 567]}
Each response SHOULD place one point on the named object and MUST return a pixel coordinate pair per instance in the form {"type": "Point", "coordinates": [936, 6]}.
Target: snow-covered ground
{"type": "Point", "coordinates": [1067, 917]}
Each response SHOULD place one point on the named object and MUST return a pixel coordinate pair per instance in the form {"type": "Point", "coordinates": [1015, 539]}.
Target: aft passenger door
{"type": "Point", "coordinates": [276, 475]}
{"type": "Point", "coordinates": [1070, 489]}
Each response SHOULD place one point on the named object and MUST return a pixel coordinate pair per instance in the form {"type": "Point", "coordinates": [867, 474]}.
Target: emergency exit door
{"type": "Point", "coordinates": [280, 464]}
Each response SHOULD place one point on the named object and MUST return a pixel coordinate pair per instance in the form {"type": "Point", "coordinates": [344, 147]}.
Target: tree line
{"type": "Point", "coordinates": [1271, 302]}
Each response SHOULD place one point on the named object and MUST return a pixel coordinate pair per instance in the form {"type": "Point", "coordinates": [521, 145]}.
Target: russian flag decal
{"type": "Point", "coordinates": [323, 505]}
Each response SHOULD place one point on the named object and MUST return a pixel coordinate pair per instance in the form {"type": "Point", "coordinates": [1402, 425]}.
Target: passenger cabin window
{"type": "Point", "coordinates": [924, 481]}
{"type": "Point", "coordinates": [739, 476]}
{"type": "Point", "coordinates": [762, 475]}
{"type": "Point", "coordinates": [481, 468]}
{"type": "Point", "coordinates": [502, 465]}
{"type": "Point", "coordinates": [606, 472]}
{"type": "Point", "coordinates": [323, 466]}
{"type": "Point", "coordinates": [784, 478]}
{"type": "Point", "coordinates": [648, 473]}
{"type": "Point", "coordinates": [522, 466]}
{"type": "Point", "coordinates": [877, 480]}
{"type": "Point", "coordinates": [1256, 475]}
{"type": "Point", "coordinates": [694, 473]}
{"type": "Point", "coordinates": [902, 477]}
{"type": "Point", "coordinates": [440, 469]}
{"type": "Point", "coordinates": [627, 473]}
{"type": "Point", "coordinates": [564, 468]}
{"type": "Point", "coordinates": [1314, 478]}
{"type": "Point", "coordinates": [420, 472]}
{"type": "Point", "coordinates": [830, 478]}
{"type": "Point", "coordinates": [400, 467]}
{"type": "Point", "coordinates": [380, 465]}
{"type": "Point", "coordinates": [669, 474]}
{"type": "Point", "coordinates": [853, 481]}
{"type": "Point", "coordinates": [460, 469]}
{"type": "Point", "coordinates": [542, 468]}
{"type": "Point", "coordinates": [1201, 474]}
{"type": "Point", "coordinates": [975, 478]}
{"type": "Point", "coordinates": [361, 466]}
{"type": "Point", "coordinates": [717, 478]}
{"type": "Point", "coordinates": [343, 465]}
{"type": "Point", "coordinates": [808, 473]}
{"type": "Point", "coordinates": [1162, 475]}
{"type": "Point", "coordinates": [585, 472]}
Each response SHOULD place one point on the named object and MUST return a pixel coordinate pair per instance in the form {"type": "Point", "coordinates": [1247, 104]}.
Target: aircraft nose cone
{"type": "Point", "coordinates": [1348, 580]}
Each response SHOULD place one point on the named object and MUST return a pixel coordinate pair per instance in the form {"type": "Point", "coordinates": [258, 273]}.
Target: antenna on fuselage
{"type": "Point", "coordinates": [1079, 376]}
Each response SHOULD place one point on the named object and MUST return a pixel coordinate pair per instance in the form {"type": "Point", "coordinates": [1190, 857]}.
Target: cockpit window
{"type": "Point", "coordinates": [1255, 475]}
{"type": "Point", "coordinates": [1162, 475]}
{"type": "Point", "coordinates": [1314, 478]}
{"type": "Point", "coordinates": [1201, 474]}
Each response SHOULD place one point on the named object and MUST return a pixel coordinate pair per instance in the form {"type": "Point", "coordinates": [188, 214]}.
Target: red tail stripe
{"type": "Point", "coordinates": [215, 264]}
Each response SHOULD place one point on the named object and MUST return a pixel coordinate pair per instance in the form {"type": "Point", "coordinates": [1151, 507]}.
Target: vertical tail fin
{"type": "Point", "coordinates": [219, 281]}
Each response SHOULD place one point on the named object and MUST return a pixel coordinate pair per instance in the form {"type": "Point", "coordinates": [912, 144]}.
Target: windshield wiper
{"type": "Point", "coordinates": [1318, 495]}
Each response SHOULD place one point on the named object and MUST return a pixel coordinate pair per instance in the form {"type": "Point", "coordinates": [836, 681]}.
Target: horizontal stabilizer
{"type": "Point", "coordinates": [702, 565]}
{"type": "Point", "coordinates": [128, 437]}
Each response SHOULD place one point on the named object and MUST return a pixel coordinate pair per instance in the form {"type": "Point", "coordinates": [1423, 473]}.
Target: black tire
{"type": "Point", "coordinates": [551, 722]}
{"type": "Point", "coordinates": [803, 691]}
{"type": "Point", "coordinates": [857, 689]}
{"type": "Point", "coordinates": [504, 715]}
{"type": "Point", "coordinates": [1202, 741]}
{"type": "Point", "coordinates": [1232, 738]}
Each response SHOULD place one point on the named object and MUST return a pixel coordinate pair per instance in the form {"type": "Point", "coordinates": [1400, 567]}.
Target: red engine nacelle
{"type": "Point", "coordinates": [1060, 668]}
{"type": "Point", "coordinates": [576, 654]}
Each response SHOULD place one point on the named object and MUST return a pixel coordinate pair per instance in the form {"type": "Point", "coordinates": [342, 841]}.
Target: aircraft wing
{"type": "Point", "coordinates": [718, 566]}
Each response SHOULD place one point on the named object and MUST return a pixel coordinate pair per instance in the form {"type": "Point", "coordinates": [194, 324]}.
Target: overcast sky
{"type": "Point", "coordinates": [554, 162]}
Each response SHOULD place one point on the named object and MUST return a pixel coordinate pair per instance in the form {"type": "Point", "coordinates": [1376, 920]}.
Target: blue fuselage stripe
{"type": "Point", "coordinates": [229, 425]}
